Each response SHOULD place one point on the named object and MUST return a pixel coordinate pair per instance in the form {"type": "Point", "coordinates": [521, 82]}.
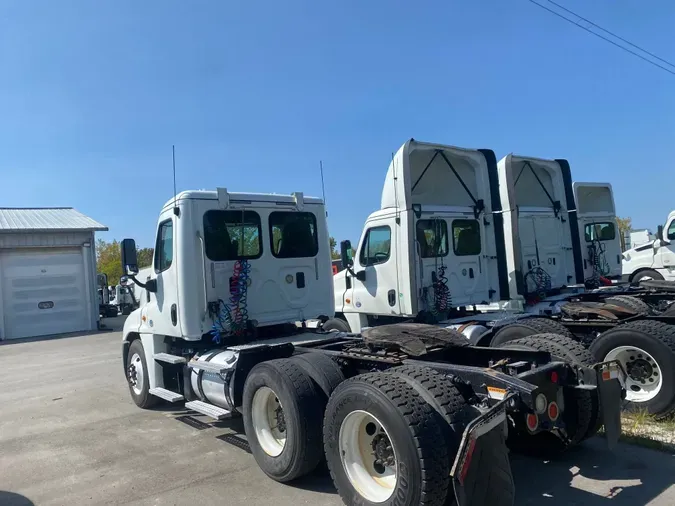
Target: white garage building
{"type": "Point", "coordinates": [47, 272]}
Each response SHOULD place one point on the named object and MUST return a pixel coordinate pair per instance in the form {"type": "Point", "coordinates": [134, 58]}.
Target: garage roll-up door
{"type": "Point", "coordinates": [43, 292]}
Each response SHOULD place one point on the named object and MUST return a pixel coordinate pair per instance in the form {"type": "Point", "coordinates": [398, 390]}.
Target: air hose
{"type": "Point", "coordinates": [599, 263]}
{"type": "Point", "coordinates": [541, 281]}
{"type": "Point", "coordinates": [232, 318]}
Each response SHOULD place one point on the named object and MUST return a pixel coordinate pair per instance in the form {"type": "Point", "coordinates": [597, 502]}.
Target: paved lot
{"type": "Point", "coordinates": [69, 434]}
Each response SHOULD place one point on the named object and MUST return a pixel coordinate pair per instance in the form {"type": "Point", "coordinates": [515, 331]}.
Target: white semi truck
{"type": "Point", "coordinates": [654, 260]}
{"type": "Point", "coordinates": [458, 243]}
{"type": "Point", "coordinates": [404, 414]}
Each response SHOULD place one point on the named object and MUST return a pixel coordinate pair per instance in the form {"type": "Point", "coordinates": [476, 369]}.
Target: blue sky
{"type": "Point", "coordinates": [254, 94]}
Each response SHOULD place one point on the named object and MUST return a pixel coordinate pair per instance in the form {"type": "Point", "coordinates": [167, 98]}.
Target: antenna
{"type": "Point", "coordinates": [323, 188]}
{"type": "Point", "coordinates": [175, 204]}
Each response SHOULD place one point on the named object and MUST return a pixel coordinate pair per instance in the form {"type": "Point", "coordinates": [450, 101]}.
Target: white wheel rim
{"type": "Point", "coordinates": [360, 432]}
{"type": "Point", "coordinates": [644, 379]}
{"type": "Point", "coordinates": [269, 423]}
{"type": "Point", "coordinates": [136, 374]}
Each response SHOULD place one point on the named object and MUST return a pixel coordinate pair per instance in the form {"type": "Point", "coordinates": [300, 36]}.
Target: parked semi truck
{"type": "Point", "coordinates": [458, 244]}
{"type": "Point", "coordinates": [653, 260]}
{"type": "Point", "coordinates": [404, 414]}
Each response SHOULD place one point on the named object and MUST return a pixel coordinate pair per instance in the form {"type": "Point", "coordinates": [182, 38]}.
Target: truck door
{"type": "Point", "coordinates": [161, 312]}
{"type": "Point", "coordinates": [375, 286]}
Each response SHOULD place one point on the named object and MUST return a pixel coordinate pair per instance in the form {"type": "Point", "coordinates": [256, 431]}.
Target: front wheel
{"type": "Point", "coordinates": [137, 376]}
{"type": "Point", "coordinates": [336, 325]}
{"type": "Point", "coordinates": [647, 274]}
{"type": "Point", "coordinates": [384, 444]}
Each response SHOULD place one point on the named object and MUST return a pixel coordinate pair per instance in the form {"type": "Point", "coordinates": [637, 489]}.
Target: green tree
{"type": "Point", "coordinates": [109, 259]}
{"type": "Point", "coordinates": [624, 225]}
{"type": "Point", "coordinates": [334, 253]}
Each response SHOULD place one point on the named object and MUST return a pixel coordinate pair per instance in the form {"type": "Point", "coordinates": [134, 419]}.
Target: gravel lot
{"type": "Point", "coordinates": [70, 434]}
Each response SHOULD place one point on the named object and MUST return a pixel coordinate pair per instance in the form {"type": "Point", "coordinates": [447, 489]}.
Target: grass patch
{"type": "Point", "coordinates": [642, 429]}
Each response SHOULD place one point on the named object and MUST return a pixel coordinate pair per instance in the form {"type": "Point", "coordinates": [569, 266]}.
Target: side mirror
{"type": "Point", "coordinates": [124, 281]}
{"type": "Point", "coordinates": [129, 260]}
{"type": "Point", "coordinates": [102, 280]}
{"type": "Point", "coordinates": [346, 254]}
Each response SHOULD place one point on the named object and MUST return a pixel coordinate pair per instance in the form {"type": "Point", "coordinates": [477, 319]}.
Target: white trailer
{"type": "Point", "coordinates": [233, 273]}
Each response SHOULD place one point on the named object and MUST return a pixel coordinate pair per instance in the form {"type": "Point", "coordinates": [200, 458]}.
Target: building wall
{"type": "Point", "coordinates": [82, 240]}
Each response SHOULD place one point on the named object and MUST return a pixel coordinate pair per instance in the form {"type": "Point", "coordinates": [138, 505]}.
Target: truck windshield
{"type": "Point", "coordinates": [432, 237]}
{"type": "Point", "coordinates": [232, 235]}
{"type": "Point", "coordinates": [599, 232]}
{"type": "Point", "coordinates": [293, 234]}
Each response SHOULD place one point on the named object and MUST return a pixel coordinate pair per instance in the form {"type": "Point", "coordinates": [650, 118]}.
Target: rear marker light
{"type": "Point", "coordinates": [553, 411]}
{"type": "Point", "coordinates": [532, 422]}
{"type": "Point", "coordinates": [554, 377]}
{"type": "Point", "coordinates": [467, 461]}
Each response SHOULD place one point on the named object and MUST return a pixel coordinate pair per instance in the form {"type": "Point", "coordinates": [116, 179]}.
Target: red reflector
{"type": "Point", "coordinates": [554, 377]}
{"type": "Point", "coordinates": [532, 422]}
{"type": "Point", "coordinates": [467, 461]}
{"type": "Point", "coordinates": [553, 411]}
{"type": "Point", "coordinates": [335, 271]}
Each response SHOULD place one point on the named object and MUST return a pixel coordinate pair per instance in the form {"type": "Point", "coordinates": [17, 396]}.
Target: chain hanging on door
{"type": "Point", "coordinates": [598, 259]}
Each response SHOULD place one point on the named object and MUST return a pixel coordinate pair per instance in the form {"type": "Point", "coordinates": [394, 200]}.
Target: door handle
{"type": "Point", "coordinates": [300, 279]}
{"type": "Point", "coordinates": [391, 296]}
{"type": "Point", "coordinates": [174, 315]}
{"type": "Point", "coordinates": [471, 272]}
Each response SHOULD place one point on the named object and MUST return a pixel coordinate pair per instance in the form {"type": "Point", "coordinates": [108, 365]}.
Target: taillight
{"type": "Point", "coordinates": [532, 422]}
{"type": "Point", "coordinates": [554, 377]}
{"type": "Point", "coordinates": [553, 411]}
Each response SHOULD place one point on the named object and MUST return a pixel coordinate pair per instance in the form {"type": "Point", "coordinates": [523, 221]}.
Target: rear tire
{"type": "Point", "coordinates": [582, 410]}
{"type": "Point", "coordinates": [654, 359]}
{"type": "Point", "coordinates": [322, 369]}
{"type": "Point", "coordinates": [336, 324]}
{"type": "Point", "coordinates": [442, 395]}
{"type": "Point", "coordinates": [283, 427]}
{"type": "Point", "coordinates": [528, 327]}
{"type": "Point", "coordinates": [631, 303]}
{"type": "Point", "coordinates": [419, 473]}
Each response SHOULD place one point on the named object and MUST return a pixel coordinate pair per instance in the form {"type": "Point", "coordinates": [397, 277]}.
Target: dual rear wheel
{"type": "Point", "coordinates": [388, 438]}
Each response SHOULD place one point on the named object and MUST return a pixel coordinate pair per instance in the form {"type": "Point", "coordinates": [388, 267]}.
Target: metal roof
{"type": "Point", "coordinates": [46, 219]}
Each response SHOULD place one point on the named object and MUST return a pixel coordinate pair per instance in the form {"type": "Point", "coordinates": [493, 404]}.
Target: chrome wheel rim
{"type": "Point", "coordinates": [136, 374]}
{"type": "Point", "coordinates": [644, 378]}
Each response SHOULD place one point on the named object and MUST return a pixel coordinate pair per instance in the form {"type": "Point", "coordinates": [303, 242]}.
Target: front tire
{"type": "Point", "coordinates": [137, 376]}
{"type": "Point", "coordinates": [384, 444]}
{"type": "Point", "coordinates": [336, 324]}
{"type": "Point", "coordinates": [646, 350]}
{"type": "Point", "coordinates": [283, 410]}
{"type": "Point", "coordinates": [647, 274]}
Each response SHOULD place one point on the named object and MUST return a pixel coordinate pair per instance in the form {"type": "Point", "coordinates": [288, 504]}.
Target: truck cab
{"type": "Point", "coordinates": [598, 235]}
{"type": "Point", "coordinates": [537, 224]}
{"type": "Point", "coordinates": [434, 242]}
{"type": "Point", "coordinates": [654, 259]}
{"type": "Point", "coordinates": [213, 248]}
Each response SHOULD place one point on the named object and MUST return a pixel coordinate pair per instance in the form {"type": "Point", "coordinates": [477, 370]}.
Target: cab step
{"type": "Point", "coordinates": [208, 409]}
{"type": "Point", "coordinates": [207, 367]}
{"type": "Point", "coordinates": [167, 395]}
{"type": "Point", "coordinates": [169, 359]}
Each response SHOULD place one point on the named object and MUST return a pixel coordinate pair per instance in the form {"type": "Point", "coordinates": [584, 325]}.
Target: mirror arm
{"type": "Point", "coordinates": [150, 285]}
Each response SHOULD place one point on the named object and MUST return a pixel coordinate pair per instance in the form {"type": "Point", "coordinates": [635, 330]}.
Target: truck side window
{"type": "Point", "coordinates": [599, 232]}
{"type": "Point", "coordinates": [432, 236]}
{"type": "Point", "coordinates": [164, 246]}
{"type": "Point", "coordinates": [466, 237]}
{"type": "Point", "coordinates": [232, 235]}
{"type": "Point", "coordinates": [671, 230]}
{"type": "Point", "coordinates": [293, 234]}
{"type": "Point", "coordinates": [376, 246]}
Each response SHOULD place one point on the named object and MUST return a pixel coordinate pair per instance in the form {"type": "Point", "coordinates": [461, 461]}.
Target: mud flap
{"type": "Point", "coordinates": [610, 390]}
{"type": "Point", "coordinates": [481, 474]}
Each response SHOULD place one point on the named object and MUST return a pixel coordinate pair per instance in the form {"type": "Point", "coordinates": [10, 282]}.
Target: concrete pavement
{"type": "Point", "coordinates": [70, 434]}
